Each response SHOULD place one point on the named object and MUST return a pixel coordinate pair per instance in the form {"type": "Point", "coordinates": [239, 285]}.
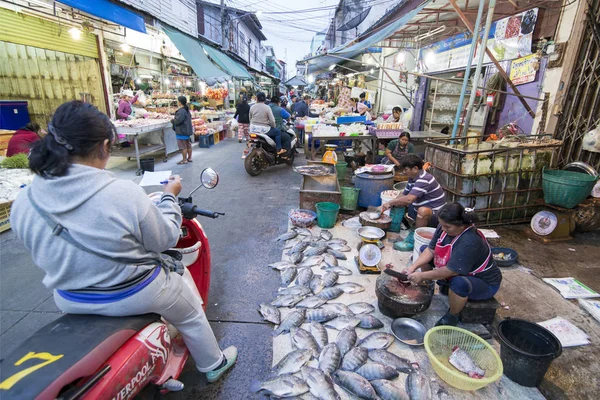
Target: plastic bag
{"type": "Point", "coordinates": [233, 124]}
{"type": "Point", "coordinates": [591, 140]}
{"type": "Point", "coordinates": [406, 118]}
{"type": "Point", "coordinates": [141, 100]}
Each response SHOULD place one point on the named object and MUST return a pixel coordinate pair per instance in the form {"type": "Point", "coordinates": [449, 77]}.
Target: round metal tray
{"type": "Point", "coordinates": [409, 331]}
{"type": "Point", "coordinates": [371, 233]}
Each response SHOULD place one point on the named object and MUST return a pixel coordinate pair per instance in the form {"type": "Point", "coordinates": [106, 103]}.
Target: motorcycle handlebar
{"type": "Point", "coordinates": [189, 208]}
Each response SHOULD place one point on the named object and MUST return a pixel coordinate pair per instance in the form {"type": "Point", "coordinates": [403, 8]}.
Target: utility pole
{"type": "Point", "coordinates": [223, 26]}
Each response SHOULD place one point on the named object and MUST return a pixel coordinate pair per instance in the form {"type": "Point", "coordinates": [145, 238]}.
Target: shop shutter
{"type": "Point", "coordinates": [32, 31]}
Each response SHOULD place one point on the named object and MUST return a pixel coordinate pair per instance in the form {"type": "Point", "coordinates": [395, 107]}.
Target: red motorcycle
{"type": "Point", "coordinates": [96, 357]}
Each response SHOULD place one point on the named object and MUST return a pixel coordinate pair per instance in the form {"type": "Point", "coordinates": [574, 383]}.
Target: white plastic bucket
{"type": "Point", "coordinates": [388, 195]}
{"type": "Point", "coordinates": [422, 237]}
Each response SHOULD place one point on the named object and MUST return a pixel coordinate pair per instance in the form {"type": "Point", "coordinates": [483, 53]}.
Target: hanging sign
{"type": "Point", "coordinates": [523, 70]}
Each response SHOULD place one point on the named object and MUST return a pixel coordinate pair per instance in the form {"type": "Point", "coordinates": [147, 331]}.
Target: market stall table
{"type": "Point", "coordinates": [370, 142]}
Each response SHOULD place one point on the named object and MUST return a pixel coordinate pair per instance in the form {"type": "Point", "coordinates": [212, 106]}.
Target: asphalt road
{"type": "Point", "coordinates": [241, 245]}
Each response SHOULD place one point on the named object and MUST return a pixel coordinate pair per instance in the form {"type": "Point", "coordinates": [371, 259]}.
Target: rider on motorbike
{"type": "Point", "coordinates": [263, 121]}
{"type": "Point", "coordinates": [281, 115]}
{"type": "Point", "coordinates": [99, 238]}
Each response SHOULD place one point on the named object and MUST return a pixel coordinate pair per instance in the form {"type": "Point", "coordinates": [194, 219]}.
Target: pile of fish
{"type": "Point", "coordinates": [313, 170]}
{"type": "Point", "coordinates": [362, 367]}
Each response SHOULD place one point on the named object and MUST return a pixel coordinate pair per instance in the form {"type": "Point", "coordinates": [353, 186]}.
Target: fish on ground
{"type": "Point", "coordinates": [354, 359]}
{"type": "Point", "coordinates": [270, 313]}
{"type": "Point", "coordinates": [340, 323]}
{"type": "Point", "coordinates": [302, 231]}
{"type": "Point", "coordinates": [316, 284]}
{"type": "Point", "coordinates": [344, 248]}
{"type": "Point", "coordinates": [330, 260]}
{"type": "Point", "coordinates": [337, 254]}
{"type": "Point", "coordinates": [330, 278]}
{"type": "Point", "coordinates": [367, 321]}
{"type": "Point", "coordinates": [350, 287]}
{"type": "Point", "coordinates": [377, 340]}
{"type": "Point", "coordinates": [373, 370]}
{"type": "Point", "coordinates": [388, 391]}
{"type": "Point", "coordinates": [287, 276]}
{"type": "Point", "coordinates": [292, 362]}
{"type": "Point", "coordinates": [295, 258]}
{"type": "Point", "coordinates": [346, 340]}
{"type": "Point", "coordinates": [342, 271]}
{"type": "Point", "coordinates": [355, 384]}
{"type": "Point", "coordinates": [385, 357]}
{"type": "Point", "coordinates": [330, 358]}
{"type": "Point", "coordinates": [340, 309]}
{"type": "Point", "coordinates": [288, 300]}
{"type": "Point", "coordinates": [298, 290]}
{"type": "Point", "coordinates": [331, 293]}
{"type": "Point", "coordinates": [294, 319]}
{"type": "Point", "coordinates": [320, 315]}
{"type": "Point", "coordinates": [361, 308]}
{"type": "Point", "coordinates": [311, 261]}
{"type": "Point", "coordinates": [304, 277]}
{"type": "Point", "coordinates": [316, 251]}
{"type": "Point", "coordinates": [281, 386]}
{"type": "Point", "coordinates": [326, 235]}
{"type": "Point", "coordinates": [311, 302]}
{"type": "Point", "coordinates": [337, 241]}
{"type": "Point", "coordinates": [298, 248]}
{"type": "Point", "coordinates": [302, 339]}
{"type": "Point", "coordinates": [319, 333]}
{"type": "Point", "coordinates": [286, 236]}
{"type": "Point", "coordinates": [320, 385]}
{"type": "Point", "coordinates": [281, 265]}
{"type": "Point", "coordinates": [291, 243]}
{"type": "Point", "coordinates": [417, 386]}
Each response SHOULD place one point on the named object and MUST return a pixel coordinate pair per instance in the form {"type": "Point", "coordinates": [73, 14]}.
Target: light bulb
{"type": "Point", "coordinates": [401, 57]}
{"type": "Point", "coordinates": [75, 33]}
{"type": "Point", "coordinates": [167, 81]}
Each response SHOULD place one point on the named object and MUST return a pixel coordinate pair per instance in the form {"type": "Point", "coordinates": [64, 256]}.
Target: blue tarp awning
{"type": "Point", "coordinates": [193, 52]}
{"type": "Point", "coordinates": [226, 63]}
{"type": "Point", "coordinates": [348, 50]}
{"type": "Point", "coordinates": [110, 12]}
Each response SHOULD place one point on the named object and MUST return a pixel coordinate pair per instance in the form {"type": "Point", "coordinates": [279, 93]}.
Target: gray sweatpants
{"type": "Point", "coordinates": [177, 300]}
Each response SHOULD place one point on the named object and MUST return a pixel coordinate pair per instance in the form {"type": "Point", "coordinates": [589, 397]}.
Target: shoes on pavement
{"type": "Point", "coordinates": [448, 319]}
{"type": "Point", "coordinates": [407, 244]}
{"type": "Point", "coordinates": [230, 357]}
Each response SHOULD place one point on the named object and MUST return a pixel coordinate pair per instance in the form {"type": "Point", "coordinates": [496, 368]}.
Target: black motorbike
{"type": "Point", "coordinates": [263, 152]}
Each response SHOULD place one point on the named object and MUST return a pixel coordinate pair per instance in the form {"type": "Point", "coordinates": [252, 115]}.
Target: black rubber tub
{"type": "Point", "coordinates": [526, 350]}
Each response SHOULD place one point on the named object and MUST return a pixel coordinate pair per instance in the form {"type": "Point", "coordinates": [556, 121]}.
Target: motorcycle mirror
{"type": "Point", "coordinates": [209, 178]}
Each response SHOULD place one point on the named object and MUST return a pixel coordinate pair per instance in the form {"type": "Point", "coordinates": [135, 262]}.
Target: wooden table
{"type": "Point", "coordinates": [369, 141]}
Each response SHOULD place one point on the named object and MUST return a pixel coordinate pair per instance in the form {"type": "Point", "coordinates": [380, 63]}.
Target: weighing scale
{"type": "Point", "coordinates": [330, 156]}
{"type": "Point", "coordinates": [369, 250]}
{"type": "Point", "coordinates": [550, 226]}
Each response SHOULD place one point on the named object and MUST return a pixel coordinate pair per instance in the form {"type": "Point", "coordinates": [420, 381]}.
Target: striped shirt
{"type": "Point", "coordinates": [427, 190]}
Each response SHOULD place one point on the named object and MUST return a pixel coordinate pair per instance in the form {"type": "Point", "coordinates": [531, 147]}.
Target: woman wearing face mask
{"type": "Point", "coordinates": [183, 129]}
{"type": "Point", "coordinates": [460, 259]}
{"type": "Point", "coordinates": [115, 269]}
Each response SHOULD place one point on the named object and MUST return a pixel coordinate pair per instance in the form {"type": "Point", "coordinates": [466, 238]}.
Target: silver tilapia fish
{"type": "Point", "coordinates": [291, 243]}
{"type": "Point", "coordinates": [337, 254]}
{"type": "Point", "coordinates": [320, 315]}
{"type": "Point", "coordinates": [298, 248]}
{"type": "Point", "coordinates": [331, 293]}
{"type": "Point", "coordinates": [294, 319]}
{"type": "Point", "coordinates": [319, 333]}
{"type": "Point", "coordinates": [355, 384]}
{"type": "Point", "coordinates": [311, 302]}
{"type": "Point", "coordinates": [302, 339]}
{"type": "Point", "coordinates": [288, 300]}
{"type": "Point", "coordinates": [287, 276]}
{"type": "Point", "coordinates": [292, 362]}
{"type": "Point", "coordinates": [281, 265]}
{"type": "Point", "coordinates": [388, 391]}
{"type": "Point", "coordinates": [340, 323]}
{"type": "Point", "coordinates": [316, 251]}
{"type": "Point", "coordinates": [350, 287]}
{"type": "Point", "coordinates": [417, 386]}
{"type": "Point", "coordinates": [377, 340]}
{"type": "Point", "coordinates": [372, 370]}
{"type": "Point", "coordinates": [316, 284]}
{"type": "Point", "coordinates": [281, 386]}
{"type": "Point", "coordinates": [311, 261]}
{"type": "Point", "coordinates": [330, 278]}
{"type": "Point", "coordinates": [326, 235]}
{"type": "Point", "coordinates": [340, 247]}
{"type": "Point", "coordinates": [286, 236]}
{"type": "Point", "coordinates": [361, 308]}
{"type": "Point", "coordinates": [367, 321]}
{"type": "Point", "coordinates": [270, 313]}
{"type": "Point", "coordinates": [304, 277]}
{"type": "Point", "coordinates": [330, 260]}
{"type": "Point", "coordinates": [387, 358]}
{"type": "Point", "coordinates": [337, 241]}
{"type": "Point", "coordinates": [298, 290]}
{"type": "Point", "coordinates": [346, 340]}
{"type": "Point", "coordinates": [342, 271]}
{"type": "Point", "coordinates": [320, 384]}
{"type": "Point", "coordinates": [354, 359]}
{"type": "Point", "coordinates": [303, 231]}
{"type": "Point", "coordinates": [341, 309]}
{"type": "Point", "coordinates": [329, 359]}
{"type": "Point", "coordinates": [295, 258]}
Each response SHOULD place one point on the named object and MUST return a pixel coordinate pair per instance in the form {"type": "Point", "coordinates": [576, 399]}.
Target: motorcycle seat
{"type": "Point", "coordinates": [70, 348]}
{"type": "Point", "coordinates": [267, 139]}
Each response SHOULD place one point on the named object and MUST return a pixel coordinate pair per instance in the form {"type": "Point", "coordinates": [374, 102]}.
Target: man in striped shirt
{"type": "Point", "coordinates": [423, 197]}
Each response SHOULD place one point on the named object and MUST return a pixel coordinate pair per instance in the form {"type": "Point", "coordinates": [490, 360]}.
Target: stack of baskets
{"type": "Point", "coordinates": [566, 188]}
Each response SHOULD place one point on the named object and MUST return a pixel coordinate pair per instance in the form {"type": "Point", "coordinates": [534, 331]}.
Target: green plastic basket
{"type": "Point", "coordinates": [349, 198]}
{"type": "Point", "coordinates": [342, 168]}
{"type": "Point", "coordinates": [566, 188]}
{"type": "Point", "coordinates": [327, 214]}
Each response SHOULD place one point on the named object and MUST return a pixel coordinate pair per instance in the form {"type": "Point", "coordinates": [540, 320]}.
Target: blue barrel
{"type": "Point", "coordinates": [371, 187]}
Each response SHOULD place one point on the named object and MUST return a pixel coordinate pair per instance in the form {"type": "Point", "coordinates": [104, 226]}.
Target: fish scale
{"type": "Point", "coordinates": [319, 384]}
{"type": "Point", "coordinates": [388, 391]}
{"type": "Point", "coordinates": [350, 287]}
{"type": "Point", "coordinates": [354, 359]}
{"type": "Point", "coordinates": [346, 340]}
{"type": "Point", "coordinates": [330, 260]}
{"type": "Point", "coordinates": [340, 323]}
{"type": "Point", "coordinates": [337, 254]}
{"type": "Point", "coordinates": [315, 251]}
{"type": "Point", "coordinates": [270, 313]}
{"type": "Point", "coordinates": [377, 340]}
{"type": "Point", "coordinates": [355, 384]}
{"type": "Point", "coordinates": [292, 362]}
{"type": "Point", "coordinates": [302, 339]}
{"type": "Point", "coordinates": [311, 302]}
{"type": "Point", "coordinates": [361, 308]}
{"type": "Point", "coordinates": [367, 321]}
{"type": "Point", "coordinates": [330, 278]}
{"type": "Point", "coordinates": [342, 271]}
{"type": "Point", "coordinates": [288, 300]}
{"type": "Point", "coordinates": [320, 315]}
{"type": "Point", "coordinates": [329, 359]}
{"type": "Point", "coordinates": [286, 236]}
{"type": "Point", "coordinates": [331, 293]}
{"type": "Point", "coordinates": [316, 284]}
{"type": "Point", "coordinates": [340, 309]}
{"type": "Point", "coordinates": [373, 370]}
{"type": "Point", "coordinates": [385, 357]}
{"type": "Point", "coordinates": [417, 386]}
{"type": "Point", "coordinates": [304, 277]}
{"type": "Point", "coordinates": [281, 386]}
{"type": "Point", "coordinates": [294, 319]}
{"type": "Point", "coordinates": [319, 333]}
{"type": "Point", "coordinates": [287, 276]}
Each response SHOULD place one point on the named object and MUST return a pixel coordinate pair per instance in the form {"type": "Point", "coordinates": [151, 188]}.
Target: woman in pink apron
{"type": "Point", "coordinates": [460, 259]}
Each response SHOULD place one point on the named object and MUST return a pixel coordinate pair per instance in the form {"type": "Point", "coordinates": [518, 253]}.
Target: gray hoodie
{"type": "Point", "coordinates": [110, 216]}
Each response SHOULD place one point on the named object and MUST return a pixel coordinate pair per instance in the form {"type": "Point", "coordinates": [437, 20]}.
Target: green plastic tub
{"type": "Point", "coordinates": [342, 168]}
{"type": "Point", "coordinates": [349, 198]}
{"type": "Point", "coordinates": [327, 214]}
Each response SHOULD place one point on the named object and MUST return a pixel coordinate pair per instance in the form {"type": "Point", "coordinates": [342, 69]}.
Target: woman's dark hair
{"type": "Point", "coordinates": [275, 99]}
{"type": "Point", "coordinates": [183, 101]}
{"type": "Point", "coordinates": [411, 161]}
{"type": "Point", "coordinates": [261, 96]}
{"type": "Point", "coordinates": [456, 214]}
{"type": "Point", "coordinates": [404, 134]}
{"type": "Point", "coordinates": [363, 95]}
{"type": "Point", "coordinates": [32, 127]}
{"type": "Point", "coordinates": [245, 100]}
{"type": "Point", "coordinates": [77, 129]}
{"type": "Point", "coordinates": [397, 109]}
{"type": "Point", "coordinates": [354, 99]}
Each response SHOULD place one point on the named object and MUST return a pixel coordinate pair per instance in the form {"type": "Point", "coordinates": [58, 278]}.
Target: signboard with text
{"type": "Point", "coordinates": [523, 70]}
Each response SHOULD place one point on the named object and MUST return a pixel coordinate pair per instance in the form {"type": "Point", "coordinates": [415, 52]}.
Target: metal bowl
{"type": "Point", "coordinates": [514, 256]}
{"type": "Point", "coordinates": [582, 167]}
{"type": "Point", "coordinates": [370, 233]}
{"type": "Point", "coordinates": [409, 331]}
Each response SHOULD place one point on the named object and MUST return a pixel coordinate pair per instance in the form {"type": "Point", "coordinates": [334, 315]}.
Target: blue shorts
{"type": "Point", "coordinates": [412, 213]}
{"type": "Point", "coordinates": [471, 287]}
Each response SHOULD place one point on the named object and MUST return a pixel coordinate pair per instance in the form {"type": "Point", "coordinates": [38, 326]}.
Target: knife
{"type": "Point", "coordinates": [401, 277]}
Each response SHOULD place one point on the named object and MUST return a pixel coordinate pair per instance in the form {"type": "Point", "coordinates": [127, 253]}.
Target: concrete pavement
{"type": "Point", "coordinates": [241, 243]}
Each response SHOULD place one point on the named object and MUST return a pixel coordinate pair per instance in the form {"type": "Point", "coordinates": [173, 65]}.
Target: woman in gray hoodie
{"type": "Point", "coordinates": [118, 245]}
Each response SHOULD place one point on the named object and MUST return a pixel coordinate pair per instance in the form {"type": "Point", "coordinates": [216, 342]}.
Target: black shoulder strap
{"type": "Point", "coordinates": [61, 231]}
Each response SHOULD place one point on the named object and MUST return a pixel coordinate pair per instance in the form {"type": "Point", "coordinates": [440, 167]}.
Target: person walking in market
{"type": "Point", "coordinates": [182, 123]}
{"type": "Point", "coordinates": [242, 113]}
{"type": "Point", "coordinates": [110, 268]}
{"type": "Point", "coordinates": [460, 258]}
{"type": "Point", "coordinates": [262, 121]}
{"type": "Point", "coordinates": [423, 197]}
{"type": "Point", "coordinates": [127, 99]}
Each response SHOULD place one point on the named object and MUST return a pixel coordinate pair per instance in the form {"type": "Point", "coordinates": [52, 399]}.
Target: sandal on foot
{"type": "Point", "coordinates": [189, 160]}
{"type": "Point", "coordinates": [182, 162]}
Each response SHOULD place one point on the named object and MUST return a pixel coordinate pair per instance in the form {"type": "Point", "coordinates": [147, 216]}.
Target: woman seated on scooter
{"type": "Point", "coordinates": [262, 120]}
{"type": "Point", "coordinates": [106, 259]}
{"type": "Point", "coordinates": [460, 259]}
